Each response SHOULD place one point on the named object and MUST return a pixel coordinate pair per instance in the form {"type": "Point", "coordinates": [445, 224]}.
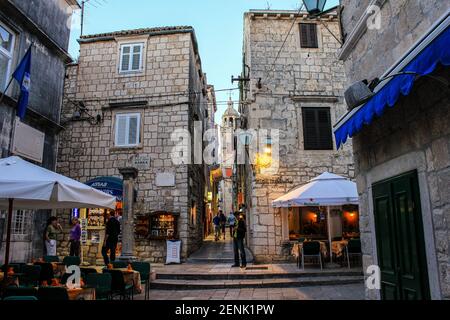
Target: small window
{"type": "Point", "coordinates": [128, 129]}
{"type": "Point", "coordinates": [308, 35]}
{"type": "Point", "coordinates": [6, 55]}
{"type": "Point", "coordinates": [317, 129]}
{"type": "Point", "coordinates": [131, 57]}
{"type": "Point", "coordinates": [20, 222]}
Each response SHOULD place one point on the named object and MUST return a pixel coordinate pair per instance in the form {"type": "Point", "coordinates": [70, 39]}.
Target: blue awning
{"type": "Point", "coordinates": [110, 185]}
{"type": "Point", "coordinates": [424, 63]}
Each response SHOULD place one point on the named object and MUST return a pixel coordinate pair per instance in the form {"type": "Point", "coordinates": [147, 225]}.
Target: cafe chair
{"type": "Point", "coordinates": [20, 291]}
{"type": "Point", "coordinates": [353, 249]}
{"type": "Point", "coordinates": [20, 298]}
{"type": "Point", "coordinates": [31, 275]}
{"type": "Point", "coordinates": [144, 269]}
{"type": "Point", "coordinates": [50, 259]}
{"type": "Point", "coordinates": [71, 261]}
{"type": "Point", "coordinates": [119, 264]}
{"type": "Point", "coordinates": [102, 283]}
{"type": "Point", "coordinates": [17, 267]}
{"type": "Point", "coordinates": [47, 273]}
{"type": "Point", "coordinates": [85, 271]}
{"type": "Point", "coordinates": [118, 285]}
{"type": "Point", "coordinates": [52, 294]}
{"type": "Point", "coordinates": [311, 249]}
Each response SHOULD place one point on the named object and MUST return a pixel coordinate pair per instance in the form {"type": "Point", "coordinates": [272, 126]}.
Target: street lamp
{"type": "Point", "coordinates": [315, 7]}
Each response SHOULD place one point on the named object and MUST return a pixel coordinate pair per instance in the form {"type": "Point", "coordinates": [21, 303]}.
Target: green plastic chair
{"type": "Point", "coordinates": [53, 294]}
{"type": "Point", "coordinates": [31, 275]}
{"type": "Point", "coordinates": [72, 261]}
{"type": "Point", "coordinates": [144, 269]}
{"type": "Point", "coordinates": [102, 283]}
{"type": "Point", "coordinates": [20, 298]}
{"type": "Point", "coordinates": [51, 259]}
{"type": "Point", "coordinates": [20, 292]}
{"type": "Point", "coordinates": [118, 285]}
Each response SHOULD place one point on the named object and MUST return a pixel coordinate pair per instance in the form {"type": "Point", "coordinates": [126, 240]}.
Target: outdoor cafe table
{"type": "Point", "coordinates": [130, 277]}
{"type": "Point", "coordinates": [298, 247]}
{"type": "Point", "coordinates": [337, 247]}
{"type": "Point", "coordinates": [81, 294]}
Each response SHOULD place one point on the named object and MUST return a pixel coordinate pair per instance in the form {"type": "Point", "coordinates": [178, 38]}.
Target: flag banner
{"type": "Point", "coordinates": [23, 78]}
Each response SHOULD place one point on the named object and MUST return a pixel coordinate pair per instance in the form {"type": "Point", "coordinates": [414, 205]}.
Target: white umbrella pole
{"type": "Point", "coordinates": [329, 233]}
{"type": "Point", "coordinates": [8, 234]}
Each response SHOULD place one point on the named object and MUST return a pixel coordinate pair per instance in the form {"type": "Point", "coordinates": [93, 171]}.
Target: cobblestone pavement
{"type": "Point", "coordinates": [342, 292]}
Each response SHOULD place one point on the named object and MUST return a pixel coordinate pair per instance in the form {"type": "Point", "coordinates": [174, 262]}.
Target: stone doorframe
{"type": "Point", "coordinates": [395, 167]}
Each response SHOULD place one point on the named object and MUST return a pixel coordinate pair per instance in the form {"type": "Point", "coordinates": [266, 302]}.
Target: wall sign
{"type": "Point", "coordinates": [141, 162]}
{"type": "Point", "coordinates": [165, 179]}
{"type": "Point", "coordinates": [28, 142]}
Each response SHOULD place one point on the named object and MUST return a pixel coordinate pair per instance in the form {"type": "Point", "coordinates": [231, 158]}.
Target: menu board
{"type": "Point", "coordinates": [84, 234]}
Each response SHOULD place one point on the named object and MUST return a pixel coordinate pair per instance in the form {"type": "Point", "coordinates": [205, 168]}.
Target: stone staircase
{"type": "Point", "coordinates": [257, 279]}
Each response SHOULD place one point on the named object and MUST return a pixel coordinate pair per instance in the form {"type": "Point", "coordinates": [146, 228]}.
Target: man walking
{"type": "Point", "coordinates": [111, 238]}
{"type": "Point", "coordinates": [231, 223]}
{"type": "Point", "coordinates": [216, 222]}
{"type": "Point", "coordinates": [223, 222]}
{"type": "Point", "coordinates": [238, 243]}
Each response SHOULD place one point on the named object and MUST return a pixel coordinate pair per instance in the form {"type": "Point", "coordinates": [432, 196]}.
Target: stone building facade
{"type": "Point", "coordinates": [154, 77]}
{"type": "Point", "coordinates": [286, 82]}
{"type": "Point", "coordinates": [46, 24]}
{"type": "Point", "coordinates": [412, 138]}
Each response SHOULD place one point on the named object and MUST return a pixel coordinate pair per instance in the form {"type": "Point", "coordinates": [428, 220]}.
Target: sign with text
{"type": "Point", "coordinates": [28, 142]}
{"type": "Point", "coordinates": [141, 162]}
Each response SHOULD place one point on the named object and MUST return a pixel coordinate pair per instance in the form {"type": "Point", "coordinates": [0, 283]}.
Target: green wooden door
{"type": "Point", "coordinates": [400, 240]}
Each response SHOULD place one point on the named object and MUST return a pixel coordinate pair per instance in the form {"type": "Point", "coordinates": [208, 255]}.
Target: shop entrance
{"type": "Point", "coordinates": [400, 239]}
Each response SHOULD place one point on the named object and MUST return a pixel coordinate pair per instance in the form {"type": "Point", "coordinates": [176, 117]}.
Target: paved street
{"type": "Point", "coordinates": [344, 292]}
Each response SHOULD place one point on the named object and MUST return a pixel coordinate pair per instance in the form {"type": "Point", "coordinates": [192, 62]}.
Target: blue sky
{"type": "Point", "coordinates": [218, 25]}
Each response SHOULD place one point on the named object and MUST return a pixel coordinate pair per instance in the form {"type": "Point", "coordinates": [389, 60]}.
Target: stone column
{"type": "Point", "coordinates": [129, 175]}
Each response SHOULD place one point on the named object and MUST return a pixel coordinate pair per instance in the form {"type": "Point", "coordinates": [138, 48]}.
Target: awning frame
{"type": "Point", "coordinates": [436, 30]}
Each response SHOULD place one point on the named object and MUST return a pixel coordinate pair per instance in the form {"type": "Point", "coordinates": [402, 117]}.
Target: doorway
{"type": "Point", "coordinates": [400, 238]}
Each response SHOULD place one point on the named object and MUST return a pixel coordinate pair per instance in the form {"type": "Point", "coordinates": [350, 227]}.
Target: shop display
{"type": "Point", "coordinates": [163, 226]}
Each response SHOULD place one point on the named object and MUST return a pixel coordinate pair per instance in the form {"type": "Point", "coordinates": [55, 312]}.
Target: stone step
{"type": "Point", "coordinates": [165, 284]}
{"type": "Point", "coordinates": [256, 275]}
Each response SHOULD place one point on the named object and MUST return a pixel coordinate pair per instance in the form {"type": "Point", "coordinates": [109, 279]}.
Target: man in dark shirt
{"type": "Point", "coordinates": [238, 242]}
{"type": "Point", "coordinates": [111, 238]}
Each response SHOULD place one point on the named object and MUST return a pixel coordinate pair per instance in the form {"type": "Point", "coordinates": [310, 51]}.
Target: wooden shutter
{"type": "Point", "coordinates": [317, 129]}
{"type": "Point", "coordinates": [308, 35]}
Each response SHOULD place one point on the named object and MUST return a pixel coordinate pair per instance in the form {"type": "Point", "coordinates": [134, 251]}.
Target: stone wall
{"type": "Point", "coordinates": [299, 78]}
{"type": "Point", "coordinates": [87, 150]}
{"type": "Point", "coordinates": [415, 131]}
{"type": "Point", "coordinates": [403, 22]}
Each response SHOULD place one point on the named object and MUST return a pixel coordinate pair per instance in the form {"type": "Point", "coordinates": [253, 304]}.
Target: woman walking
{"type": "Point", "coordinates": [74, 238]}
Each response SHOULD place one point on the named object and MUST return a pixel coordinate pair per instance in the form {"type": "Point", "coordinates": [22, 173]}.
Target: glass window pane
{"type": "Point", "coordinates": [4, 63]}
{"type": "Point", "coordinates": [133, 131]}
{"type": "Point", "coordinates": [121, 130]}
{"type": "Point", "coordinates": [125, 62]}
{"type": "Point", "coordinates": [5, 39]}
{"type": "Point", "coordinates": [126, 49]}
{"type": "Point", "coordinates": [136, 62]}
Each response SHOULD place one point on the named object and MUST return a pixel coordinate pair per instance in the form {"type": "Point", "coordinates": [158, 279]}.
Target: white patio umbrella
{"type": "Point", "coordinates": [326, 190]}
{"type": "Point", "coordinates": [24, 185]}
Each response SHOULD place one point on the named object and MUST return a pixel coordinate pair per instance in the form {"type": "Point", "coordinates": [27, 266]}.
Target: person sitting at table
{"type": "Point", "coordinates": [74, 238]}
{"type": "Point", "coordinates": [111, 238]}
{"type": "Point", "coordinates": [51, 231]}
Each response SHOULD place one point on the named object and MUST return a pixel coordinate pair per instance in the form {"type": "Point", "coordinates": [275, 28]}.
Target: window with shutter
{"type": "Point", "coordinates": [131, 56]}
{"type": "Point", "coordinates": [317, 133]}
{"type": "Point", "coordinates": [128, 130]}
{"type": "Point", "coordinates": [308, 35]}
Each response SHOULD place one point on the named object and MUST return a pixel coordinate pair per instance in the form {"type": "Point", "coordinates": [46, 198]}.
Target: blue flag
{"type": "Point", "coordinates": [22, 76]}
